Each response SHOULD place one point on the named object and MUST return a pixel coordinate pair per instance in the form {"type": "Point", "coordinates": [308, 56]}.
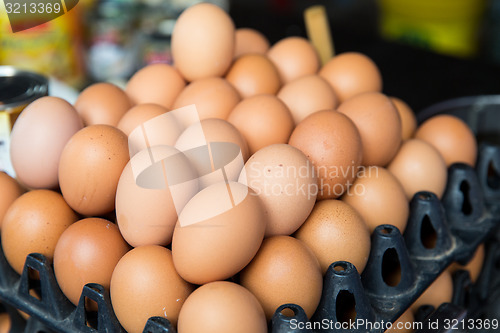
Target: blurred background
{"type": "Point", "coordinates": [428, 51]}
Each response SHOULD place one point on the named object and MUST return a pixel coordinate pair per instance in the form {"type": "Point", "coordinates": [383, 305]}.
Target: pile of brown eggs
{"type": "Point", "coordinates": [325, 158]}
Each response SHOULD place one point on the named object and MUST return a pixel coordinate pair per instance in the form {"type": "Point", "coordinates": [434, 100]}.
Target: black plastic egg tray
{"type": "Point", "coordinates": [466, 216]}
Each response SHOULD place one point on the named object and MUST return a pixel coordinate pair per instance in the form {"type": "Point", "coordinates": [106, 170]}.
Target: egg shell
{"type": "Point", "coordinates": [213, 97]}
{"type": "Point", "coordinates": [5, 322]}
{"type": "Point", "coordinates": [102, 103]}
{"type": "Point", "coordinates": [87, 252]}
{"type": "Point", "coordinates": [139, 114]}
{"type": "Point", "coordinates": [33, 224]}
{"type": "Point", "coordinates": [218, 233]}
{"type": "Point", "coordinates": [440, 291]}
{"type": "Point", "coordinates": [157, 83]}
{"type": "Point", "coordinates": [284, 271]}
{"type": "Point", "coordinates": [294, 57]}
{"type": "Point", "coordinates": [90, 167]}
{"type": "Point", "coordinates": [254, 74]}
{"type": "Point", "coordinates": [38, 138]}
{"type": "Point", "coordinates": [451, 137]}
{"type": "Point", "coordinates": [474, 266]}
{"type": "Point", "coordinates": [419, 167]}
{"type": "Point", "coordinates": [248, 40]}
{"type": "Point", "coordinates": [407, 116]}
{"type": "Point", "coordinates": [284, 180]}
{"type": "Point", "coordinates": [335, 231]}
{"type": "Point", "coordinates": [222, 306]}
{"type": "Point", "coordinates": [11, 190]}
{"type": "Point", "coordinates": [306, 95]}
{"type": "Point", "coordinates": [379, 198]}
{"type": "Point", "coordinates": [203, 42]}
{"type": "Point", "coordinates": [147, 216]}
{"type": "Point", "coordinates": [331, 141]}
{"type": "Point", "coordinates": [263, 120]}
{"type": "Point", "coordinates": [379, 125]}
{"type": "Point", "coordinates": [351, 74]}
{"type": "Point", "coordinates": [404, 324]}
{"type": "Point", "coordinates": [145, 284]}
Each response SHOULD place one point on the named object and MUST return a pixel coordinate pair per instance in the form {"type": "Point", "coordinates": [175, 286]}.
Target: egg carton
{"type": "Point", "coordinates": [466, 216]}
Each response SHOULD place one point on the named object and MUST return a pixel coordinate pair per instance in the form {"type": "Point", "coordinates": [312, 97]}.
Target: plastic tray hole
{"type": "Point", "coordinates": [345, 307]}
{"type": "Point", "coordinates": [386, 231]}
{"type": "Point", "coordinates": [340, 267]}
{"type": "Point", "coordinates": [391, 268]}
{"type": "Point", "coordinates": [288, 312]}
{"type": "Point", "coordinates": [91, 312]}
{"type": "Point", "coordinates": [428, 235]}
{"type": "Point", "coordinates": [493, 177]}
{"type": "Point", "coordinates": [466, 205]}
{"type": "Point", "coordinates": [34, 285]}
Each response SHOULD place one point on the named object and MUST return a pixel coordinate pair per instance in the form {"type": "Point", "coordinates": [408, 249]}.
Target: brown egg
{"type": "Point", "coordinates": [474, 265]}
{"type": "Point", "coordinates": [404, 324]}
{"type": "Point", "coordinates": [254, 74]}
{"type": "Point", "coordinates": [38, 138]}
{"type": "Point", "coordinates": [218, 233]}
{"type": "Point", "coordinates": [284, 180]}
{"type": "Point", "coordinates": [87, 252]}
{"type": "Point", "coordinates": [351, 74]}
{"type": "Point", "coordinates": [102, 103]}
{"type": "Point", "coordinates": [146, 278]}
{"type": "Point", "coordinates": [138, 115]}
{"type": "Point", "coordinates": [90, 167]}
{"type": "Point", "coordinates": [222, 307]}
{"type": "Point", "coordinates": [213, 97]}
{"type": "Point", "coordinates": [263, 120]}
{"type": "Point", "coordinates": [34, 223]}
{"type": "Point", "coordinates": [335, 231]}
{"type": "Point", "coordinates": [407, 116]}
{"type": "Point", "coordinates": [419, 167]}
{"type": "Point", "coordinates": [250, 41]}
{"type": "Point", "coordinates": [5, 322]}
{"type": "Point", "coordinates": [203, 42]}
{"type": "Point", "coordinates": [11, 190]}
{"type": "Point", "coordinates": [439, 292]}
{"type": "Point", "coordinates": [379, 125]}
{"type": "Point", "coordinates": [157, 83]}
{"type": "Point", "coordinates": [284, 270]}
{"type": "Point", "coordinates": [451, 137]}
{"type": "Point", "coordinates": [306, 95]}
{"type": "Point", "coordinates": [146, 215]}
{"type": "Point", "coordinates": [379, 198]}
{"type": "Point", "coordinates": [331, 141]}
{"type": "Point", "coordinates": [294, 57]}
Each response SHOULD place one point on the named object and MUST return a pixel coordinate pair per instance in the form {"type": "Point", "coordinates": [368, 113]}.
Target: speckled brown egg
{"type": "Point", "coordinates": [451, 137]}
{"type": "Point", "coordinates": [157, 83]}
{"type": "Point", "coordinates": [34, 223]}
{"type": "Point", "coordinates": [379, 198]}
{"type": "Point", "coordinates": [284, 270]}
{"type": "Point", "coordinates": [213, 97]}
{"type": "Point", "coordinates": [102, 103]}
{"type": "Point", "coordinates": [11, 190]}
{"type": "Point", "coordinates": [90, 167]}
{"type": "Point", "coordinates": [408, 118]}
{"type": "Point", "coordinates": [331, 141]}
{"type": "Point", "coordinates": [87, 252]}
{"type": "Point", "coordinates": [253, 74]}
{"type": "Point", "coordinates": [263, 120]}
{"type": "Point", "coordinates": [379, 125]}
{"type": "Point", "coordinates": [138, 115]}
{"type": "Point", "coordinates": [335, 231]}
{"type": "Point", "coordinates": [474, 265]}
{"type": "Point", "coordinates": [284, 180]}
{"type": "Point", "coordinates": [145, 284]}
{"type": "Point", "coordinates": [294, 57]}
{"type": "Point", "coordinates": [306, 95]}
{"type": "Point", "coordinates": [351, 74]}
{"type": "Point", "coordinates": [203, 42]}
{"type": "Point", "coordinates": [249, 40]}
{"type": "Point", "coordinates": [419, 167]}
{"type": "Point", "coordinates": [440, 291]}
{"type": "Point", "coordinates": [222, 306]}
